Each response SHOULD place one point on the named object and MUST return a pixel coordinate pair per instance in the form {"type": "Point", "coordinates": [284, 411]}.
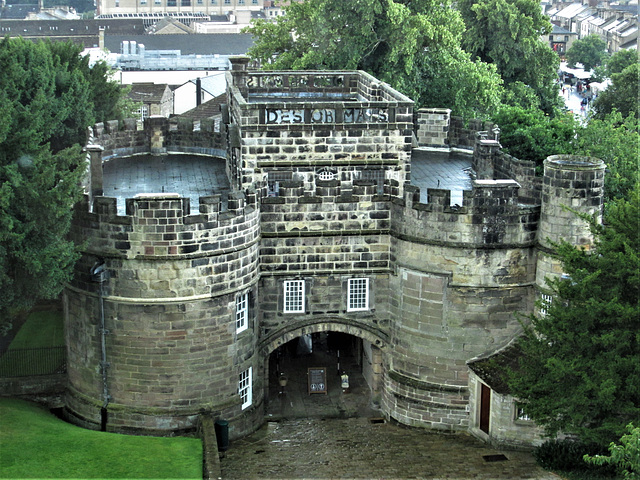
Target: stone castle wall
{"type": "Point", "coordinates": [461, 275]}
{"type": "Point", "coordinates": [445, 282]}
{"type": "Point", "coordinates": [125, 139]}
{"type": "Point", "coordinates": [169, 306]}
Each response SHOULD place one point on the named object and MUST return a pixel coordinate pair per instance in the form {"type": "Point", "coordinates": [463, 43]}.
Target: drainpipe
{"type": "Point", "coordinates": [100, 275]}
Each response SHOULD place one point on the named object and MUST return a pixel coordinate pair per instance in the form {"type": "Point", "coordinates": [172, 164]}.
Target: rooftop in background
{"type": "Point", "coordinates": [200, 44]}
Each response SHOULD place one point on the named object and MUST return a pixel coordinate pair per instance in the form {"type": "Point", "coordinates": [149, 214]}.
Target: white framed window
{"type": "Point", "coordinates": [294, 296]}
{"type": "Point", "coordinates": [143, 112]}
{"type": "Point", "coordinates": [546, 303]}
{"type": "Point", "coordinates": [244, 387]}
{"type": "Point", "coordinates": [358, 294]}
{"type": "Point", "coordinates": [242, 312]}
{"type": "Point", "coordinates": [521, 414]}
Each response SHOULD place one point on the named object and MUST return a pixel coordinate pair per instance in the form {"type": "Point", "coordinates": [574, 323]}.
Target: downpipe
{"type": "Point", "coordinates": [100, 275]}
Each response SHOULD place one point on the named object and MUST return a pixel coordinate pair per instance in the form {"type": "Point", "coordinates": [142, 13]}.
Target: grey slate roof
{"type": "Point", "coordinates": [558, 30]}
{"type": "Point", "coordinates": [147, 92]}
{"type": "Point", "coordinates": [493, 369]}
{"type": "Point", "coordinates": [211, 108]}
{"type": "Point", "coordinates": [202, 44]}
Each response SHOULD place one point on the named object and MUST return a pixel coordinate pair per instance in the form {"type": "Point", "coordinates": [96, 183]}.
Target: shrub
{"type": "Point", "coordinates": [567, 455]}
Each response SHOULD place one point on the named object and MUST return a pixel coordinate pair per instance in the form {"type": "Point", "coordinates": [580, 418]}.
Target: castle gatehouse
{"type": "Point", "coordinates": [307, 210]}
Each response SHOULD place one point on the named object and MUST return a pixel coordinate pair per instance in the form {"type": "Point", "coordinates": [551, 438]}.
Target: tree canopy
{"type": "Point", "coordinates": [590, 51]}
{"type": "Point", "coordinates": [530, 134]}
{"type": "Point", "coordinates": [579, 372]}
{"type": "Point", "coordinates": [413, 46]}
{"type": "Point", "coordinates": [507, 33]}
{"type": "Point", "coordinates": [48, 97]}
{"type": "Point", "coordinates": [620, 60]}
{"type": "Point", "coordinates": [615, 141]}
{"type": "Point", "coordinates": [621, 95]}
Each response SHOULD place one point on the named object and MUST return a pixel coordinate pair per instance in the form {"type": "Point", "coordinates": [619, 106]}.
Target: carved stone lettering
{"type": "Point", "coordinates": [366, 115]}
{"type": "Point", "coordinates": [323, 115]}
{"type": "Point", "coordinates": [278, 116]}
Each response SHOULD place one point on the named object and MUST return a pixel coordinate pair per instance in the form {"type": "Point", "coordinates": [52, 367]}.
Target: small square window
{"type": "Point", "coordinates": [294, 296]}
{"type": "Point", "coordinates": [242, 312]}
{"type": "Point", "coordinates": [358, 294]}
{"type": "Point", "coordinates": [244, 388]}
{"type": "Point", "coordinates": [227, 2]}
{"type": "Point", "coordinates": [521, 414]}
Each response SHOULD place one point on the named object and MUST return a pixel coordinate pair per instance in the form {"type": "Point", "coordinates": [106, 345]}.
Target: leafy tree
{"type": "Point", "coordinates": [621, 95]}
{"type": "Point", "coordinates": [579, 372]}
{"type": "Point", "coordinates": [47, 96]}
{"type": "Point", "coordinates": [413, 46]}
{"type": "Point", "coordinates": [530, 134]}
{"type": "Point", "coordinates": [621, 60]}
{"type": "Point", "coordinates": [507, 33]}
{"type": "Point", "coordinates": [590, 51]}
{"type": "Point", "coordinates": [614, 140]}
{"type": "Point", "coordinates": [625, 457]}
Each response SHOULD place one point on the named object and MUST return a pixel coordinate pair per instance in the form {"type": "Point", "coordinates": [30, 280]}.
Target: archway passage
{"type": "Point", "coordinates": [330, 356]}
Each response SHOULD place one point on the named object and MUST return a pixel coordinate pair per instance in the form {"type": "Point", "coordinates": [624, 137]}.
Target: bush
{"type": "Point", "coordinates": [568, 455]}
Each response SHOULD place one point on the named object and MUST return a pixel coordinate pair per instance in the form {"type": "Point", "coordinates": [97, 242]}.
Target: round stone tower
{"type": "Point", "coordinates": [159, 317]}
{"type": "Point", "coordinates": [571, 184]}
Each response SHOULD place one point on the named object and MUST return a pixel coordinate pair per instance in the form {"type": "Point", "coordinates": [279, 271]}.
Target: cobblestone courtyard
{"type": "Point", "coordinates": [356, 448]}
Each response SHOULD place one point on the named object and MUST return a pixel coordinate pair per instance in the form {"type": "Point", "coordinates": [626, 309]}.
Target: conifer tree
{"type": "Point", "coordinates": [48, 97]}
{"type": "Point", "coordinates": [579, 372]}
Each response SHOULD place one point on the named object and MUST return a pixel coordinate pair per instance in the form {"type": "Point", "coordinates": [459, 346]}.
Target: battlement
{"type": "Point", "coordinates": [158, 135]}
{"type": "Point", "coordinates": [161, 225]}
{"type": "Point", "coordinates": [315, 99]}
{"type": "Point", "coordinates": [490, 216]}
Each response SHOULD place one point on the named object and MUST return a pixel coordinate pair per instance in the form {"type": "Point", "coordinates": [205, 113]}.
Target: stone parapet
{"type": "Point", "coordinates": [571, 185]}
{"type": "Point", "coordinates": [490, 216]}
{"type": "Point", "coordinates": [432, 127]}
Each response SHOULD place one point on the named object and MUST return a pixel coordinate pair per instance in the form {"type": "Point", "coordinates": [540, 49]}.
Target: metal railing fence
{"type": "Point", "coordinates": [27, 362]}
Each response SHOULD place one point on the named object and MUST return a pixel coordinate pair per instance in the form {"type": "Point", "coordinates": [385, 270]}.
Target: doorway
{"type": "Point", "coordinates": [485, 407]}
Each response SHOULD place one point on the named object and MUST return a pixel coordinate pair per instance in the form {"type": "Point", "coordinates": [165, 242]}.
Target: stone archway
{"type": "Point", "coordinates": [361, 358]}
{"type": "Point", "coordinates": [374, 336]}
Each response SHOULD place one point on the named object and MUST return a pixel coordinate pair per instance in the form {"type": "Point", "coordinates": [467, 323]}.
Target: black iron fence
{"type": "Point", "coordinates": [28, 362]}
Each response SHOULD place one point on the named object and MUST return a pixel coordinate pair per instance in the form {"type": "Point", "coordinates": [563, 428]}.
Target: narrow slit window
{"type": "Point", "coordinates": [244, 388]}
{"type": "Point", "coordinates": [242, 312]}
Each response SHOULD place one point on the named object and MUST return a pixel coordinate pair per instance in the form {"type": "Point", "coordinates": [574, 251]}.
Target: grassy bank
{"type": "Point", "coordinates": [36, 444]}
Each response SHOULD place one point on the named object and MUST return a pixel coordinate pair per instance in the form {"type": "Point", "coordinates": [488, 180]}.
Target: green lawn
{"type": "Point", "coordinates": [42, 329]}
{"type": "Point", "coordinates": [36, 444]}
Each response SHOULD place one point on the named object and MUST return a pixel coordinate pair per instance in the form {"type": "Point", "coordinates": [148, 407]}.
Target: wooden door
{"type": "Point", "coordinates": [485, 408]}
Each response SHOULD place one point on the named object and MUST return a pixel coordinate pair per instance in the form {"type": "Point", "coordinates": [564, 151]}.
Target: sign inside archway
{"type": "Point", "coordinates": [317, 380]}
